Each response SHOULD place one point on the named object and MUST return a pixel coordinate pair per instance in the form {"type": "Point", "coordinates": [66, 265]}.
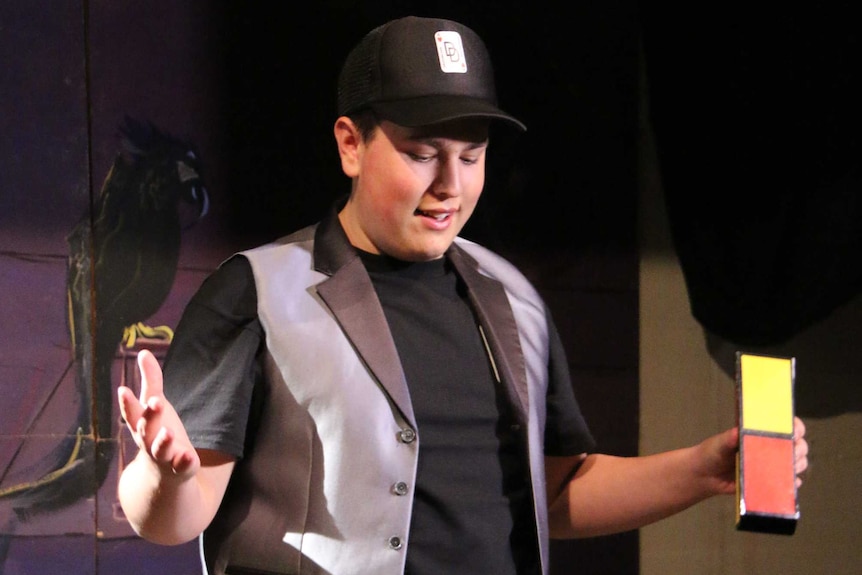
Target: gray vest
{"type": "Point", "coordinates": [326, 488]}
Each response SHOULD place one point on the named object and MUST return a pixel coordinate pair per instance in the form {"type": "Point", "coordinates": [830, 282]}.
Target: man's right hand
{"type": "Point", "coordinates": [155, 425]}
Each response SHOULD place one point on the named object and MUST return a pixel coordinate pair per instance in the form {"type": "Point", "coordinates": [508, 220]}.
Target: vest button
{"type": "Point", "coordinates": [407, 435]}
{"type": "Point", "coordinates": [395, 543]}
{"type": "Point", "coordinates": [400, 488]}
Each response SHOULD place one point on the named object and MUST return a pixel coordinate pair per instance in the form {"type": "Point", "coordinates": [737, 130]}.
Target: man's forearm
{"type": "Point", "coordinates": [166, 509]}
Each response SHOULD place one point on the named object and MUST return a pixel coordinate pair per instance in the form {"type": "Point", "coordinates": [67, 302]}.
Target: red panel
{"type": "Point", "coordinates": [769, 481]}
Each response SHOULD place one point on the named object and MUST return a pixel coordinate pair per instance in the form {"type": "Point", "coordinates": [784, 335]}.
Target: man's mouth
{"type": "Point", "coordinates": [439, 216]}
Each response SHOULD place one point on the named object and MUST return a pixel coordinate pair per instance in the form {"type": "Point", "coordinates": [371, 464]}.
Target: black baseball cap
{"type": "Point", "coordinates": [419, 71]}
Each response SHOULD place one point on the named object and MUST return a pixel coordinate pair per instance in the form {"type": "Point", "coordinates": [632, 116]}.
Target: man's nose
{"type": "Point", "coordinates": [448, 181]}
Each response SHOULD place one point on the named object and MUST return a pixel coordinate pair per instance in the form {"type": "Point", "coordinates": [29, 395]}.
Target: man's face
{"type": "Point", "coordinates": [415, 188]}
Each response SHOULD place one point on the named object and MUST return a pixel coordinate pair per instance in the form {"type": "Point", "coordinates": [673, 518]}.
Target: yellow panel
{"type": "Point", "coordinates": [767, 393]}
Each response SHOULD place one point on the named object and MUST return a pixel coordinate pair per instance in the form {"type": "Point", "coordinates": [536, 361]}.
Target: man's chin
{"type": "Point", "coordinates": [425, 254]}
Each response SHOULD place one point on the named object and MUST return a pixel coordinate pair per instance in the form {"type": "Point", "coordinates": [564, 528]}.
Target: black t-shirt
{"type": "Point", "coordinates": [473, 490]}
{"type": "Point", "coordinates": [472, 496]}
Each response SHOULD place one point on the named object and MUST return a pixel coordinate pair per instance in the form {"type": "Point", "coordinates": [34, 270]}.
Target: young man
{"type": "Point", "coordinates": [374, 394]}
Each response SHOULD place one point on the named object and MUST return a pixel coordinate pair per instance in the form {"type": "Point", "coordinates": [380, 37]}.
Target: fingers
{"type": "Point", "coordinates": [153, 422]}
{"type": "Point", "coordinates": [141, 418]}
{"type": "Point", "coordinates": [731, 439]}
{"type": "Point", "coordinates": [185, 463]}
{"type": "Point", "coordinates": [800, 449]}
{"type": "Point", "coordinates": [160, 448]}
{"type": "Point", "coordinates": [798, 428]}
{"type": "Point", "coordinates": [800, 455]}
{"type": "Point", "coordinates": [130, 407]}
{"type": "Point", "coordinates": [164, 450]}
{"type": "Point", "coordinates": [151, 375]}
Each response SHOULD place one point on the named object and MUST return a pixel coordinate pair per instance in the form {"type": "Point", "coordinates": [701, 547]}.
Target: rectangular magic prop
{"type": "Point", "coordinates": [765, 472]}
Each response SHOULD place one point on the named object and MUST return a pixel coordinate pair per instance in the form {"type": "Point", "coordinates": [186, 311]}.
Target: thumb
{"type": "Point", "coordinates": [151, 375]}
{"type": "Point", "coordinates": [730, 439]}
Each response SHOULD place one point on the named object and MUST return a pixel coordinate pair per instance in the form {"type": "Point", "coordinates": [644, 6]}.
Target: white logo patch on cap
{"type": "Point", "coordinates": [451, 52]}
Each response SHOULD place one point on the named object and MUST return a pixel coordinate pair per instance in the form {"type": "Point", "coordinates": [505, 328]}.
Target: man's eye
{"type": "Point", "coordinates": [419, 157]}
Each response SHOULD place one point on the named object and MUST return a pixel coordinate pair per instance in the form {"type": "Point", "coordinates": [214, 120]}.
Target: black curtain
{"type": "Point", "coordinates": [756, 115]}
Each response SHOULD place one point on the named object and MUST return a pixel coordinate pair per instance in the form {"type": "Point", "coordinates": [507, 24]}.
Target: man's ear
{"type": "Point", "coordinates": [349, 141]}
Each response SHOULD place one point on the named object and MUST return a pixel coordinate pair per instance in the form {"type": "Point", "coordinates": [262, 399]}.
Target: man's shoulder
{"type": "Point", "coordinates": [491, 264]}
{"type": "Point", "coordinates": [488, 261]}
{"type": "Point", "coordinates": [305, 234]}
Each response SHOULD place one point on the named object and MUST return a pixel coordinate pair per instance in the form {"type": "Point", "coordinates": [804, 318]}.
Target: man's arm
{"type": "Point", "coordinates": [590, 495]}
{"type": "Point", "coordinates": [169, 492]}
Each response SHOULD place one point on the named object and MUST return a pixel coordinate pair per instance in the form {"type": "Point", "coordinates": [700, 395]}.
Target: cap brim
{"type": "Point", "coordinates": [429, 110]}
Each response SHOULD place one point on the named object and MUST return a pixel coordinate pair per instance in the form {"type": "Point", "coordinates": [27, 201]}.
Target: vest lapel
{"type": "Point", "coordinates": [353, 301]}
{"type": "Point", "coordinates": [492, 307]}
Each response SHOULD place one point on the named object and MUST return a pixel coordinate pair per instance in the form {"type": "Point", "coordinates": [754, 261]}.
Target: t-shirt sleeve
{"type": "Point", "coordinates": [212, 368]}
{"type": "Point", "coordinates": [566, 430]}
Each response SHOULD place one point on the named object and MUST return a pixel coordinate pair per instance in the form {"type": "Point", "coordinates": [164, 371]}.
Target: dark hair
{"type": "Point", "coordinates": [366, 121]}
